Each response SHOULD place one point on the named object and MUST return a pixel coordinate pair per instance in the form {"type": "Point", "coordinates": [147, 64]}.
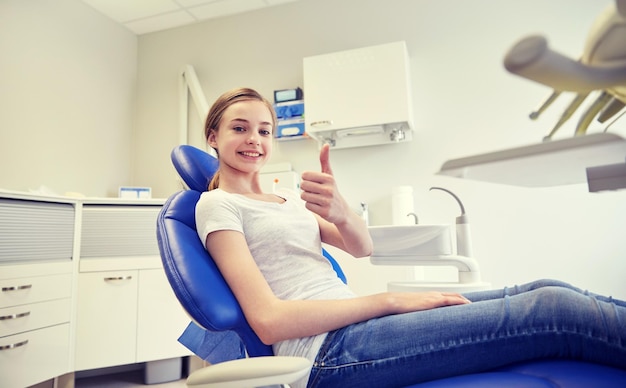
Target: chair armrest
{"type": "Point", "coordinates": [250, 372]}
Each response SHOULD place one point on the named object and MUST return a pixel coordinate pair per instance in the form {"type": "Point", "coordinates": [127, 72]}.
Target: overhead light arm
{"type": "Point", "coordinates": [189, 85]}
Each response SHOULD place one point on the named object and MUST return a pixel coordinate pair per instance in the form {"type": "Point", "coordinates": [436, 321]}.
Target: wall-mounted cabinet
{"type": "Point", "coordinates": [359, 97]}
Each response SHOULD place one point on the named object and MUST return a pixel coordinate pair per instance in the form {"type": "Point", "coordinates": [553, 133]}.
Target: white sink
{"type": "Point", "coordinates": [405, 242]}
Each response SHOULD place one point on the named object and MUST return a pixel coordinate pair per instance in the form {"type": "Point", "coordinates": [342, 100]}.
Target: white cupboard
{"type": "Point", "coordinates": [36, 289]}
{"type": "Point", "coordinates": [82, 287]}
{"type": "Point", "coordinates": [127, 312]}
{"type": "Point", "coordinates": [359, 97]}
{"type": "Point", "coordinates": [107, 319]}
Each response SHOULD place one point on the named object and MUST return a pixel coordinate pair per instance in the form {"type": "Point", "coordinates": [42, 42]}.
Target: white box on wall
{"type": "Point", "coordinates": [359, 97]}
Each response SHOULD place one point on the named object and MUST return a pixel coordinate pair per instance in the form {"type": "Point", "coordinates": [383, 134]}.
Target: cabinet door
{"type": "Point", "coordinates": [161, 319]}
{"type": "Point", "coordinates": [106, 319]}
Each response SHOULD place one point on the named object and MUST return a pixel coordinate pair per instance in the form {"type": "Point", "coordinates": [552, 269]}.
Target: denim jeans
{"type": "Point", "coordinates": [542, 319]}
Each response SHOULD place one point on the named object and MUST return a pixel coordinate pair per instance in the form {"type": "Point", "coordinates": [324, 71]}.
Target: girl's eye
{"type": "Point", "coordinates": [265, 132]}
{"type": "Point", "coordinates": [239, 129]}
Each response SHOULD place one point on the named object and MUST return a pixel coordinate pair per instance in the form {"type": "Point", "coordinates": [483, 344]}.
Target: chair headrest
{"type": "Point", "coordinates": [195, 166]}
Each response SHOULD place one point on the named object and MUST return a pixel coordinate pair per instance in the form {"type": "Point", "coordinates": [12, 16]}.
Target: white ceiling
{"type": "Point", "coordinates": [143, 16]}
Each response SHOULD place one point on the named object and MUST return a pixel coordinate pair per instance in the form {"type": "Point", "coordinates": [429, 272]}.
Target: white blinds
{"type": "Point", "coordinates": [31, 231]}
{"type": "Point", "coordinates": [118, 230]}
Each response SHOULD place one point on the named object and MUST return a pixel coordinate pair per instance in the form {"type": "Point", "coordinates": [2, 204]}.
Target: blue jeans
{"type": "Point", "coordinates": [542, 319]}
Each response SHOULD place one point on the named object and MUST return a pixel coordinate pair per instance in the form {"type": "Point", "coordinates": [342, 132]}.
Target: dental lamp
{"type": "Point", "coordinates": [602, 66]}
{"type": "Point", "coordinates": [596, 158]}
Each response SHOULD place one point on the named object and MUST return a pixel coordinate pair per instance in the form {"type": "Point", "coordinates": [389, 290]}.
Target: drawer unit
{"type": "Point", "coordinates": [19, 291]}
{"type": "Point", "coordinates": [37, 238]}
{"type": "Point", "coordinates": [35, 315]}
{"type": "Point", "coordinates": [19, 319]}
{"type": "Point", "coordinates": [35, 356]}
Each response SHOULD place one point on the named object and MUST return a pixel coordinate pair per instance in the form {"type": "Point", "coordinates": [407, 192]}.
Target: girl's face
{"type": "Point", "coordinates": [244, 137]}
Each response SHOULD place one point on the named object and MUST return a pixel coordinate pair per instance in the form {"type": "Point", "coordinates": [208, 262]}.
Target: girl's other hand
{"type": "Point", "coordinates": [405, 302]}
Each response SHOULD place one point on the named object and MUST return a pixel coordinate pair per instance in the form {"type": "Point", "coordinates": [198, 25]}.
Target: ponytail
{"type": "Point", "coordinates": [215, 181]}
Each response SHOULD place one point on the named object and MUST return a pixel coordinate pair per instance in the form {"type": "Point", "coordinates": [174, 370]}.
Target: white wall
{"type": "Point", "coordinates": [67, 90]}
{"type": "Point", "coordinates": [465, 103]}
{"type": "Point", "coordinates": [67, 106]}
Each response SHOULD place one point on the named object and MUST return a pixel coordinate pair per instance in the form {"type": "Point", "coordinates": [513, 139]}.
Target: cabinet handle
{"type": "Point", "coordinates": [14, 316]}
{"type": "Point", "coordinates": [322, 123]}
{"type": "Point", "coordinates": [13, 346]}
{"type": "Point", "coordinates": [17, 288]}
{"type": "Point", "coordinates": [117, 278]}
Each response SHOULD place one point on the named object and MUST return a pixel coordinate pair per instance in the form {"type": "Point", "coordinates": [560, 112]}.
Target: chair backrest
{"type": "Point", "coordinates": [194, 277]}
{"type": "Point", "coordinates": [196, 168]}
{"type": "Point", "coordinates": [190, 269]}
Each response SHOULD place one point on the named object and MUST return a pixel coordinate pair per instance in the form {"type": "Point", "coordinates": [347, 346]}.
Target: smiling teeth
{"type": "Point", "coordinates": [251, 153]}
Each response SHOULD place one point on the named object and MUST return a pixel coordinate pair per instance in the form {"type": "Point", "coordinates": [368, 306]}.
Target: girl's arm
{"type": "Point", "coordinates": [339, 225]}
{"type": "Point", "coordinates": [274, 320]}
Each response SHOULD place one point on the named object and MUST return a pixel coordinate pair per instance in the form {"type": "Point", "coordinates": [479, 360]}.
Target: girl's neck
{"type": "Point", "coordinates": [241, 185]}
{"type": "Point", "coordinates": [250, 188]}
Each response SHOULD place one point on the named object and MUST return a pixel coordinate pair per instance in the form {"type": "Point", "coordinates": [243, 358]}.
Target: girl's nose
{"type": "Point", "coordinates": [253, 138]}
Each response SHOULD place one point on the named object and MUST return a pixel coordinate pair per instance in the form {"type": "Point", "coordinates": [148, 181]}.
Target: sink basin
{"type": "Point", "coordinates": [399, 242]}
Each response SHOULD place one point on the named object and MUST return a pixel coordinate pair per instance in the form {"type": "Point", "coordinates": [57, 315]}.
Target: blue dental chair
{"type": "Point", "coordinates": [206, 297]}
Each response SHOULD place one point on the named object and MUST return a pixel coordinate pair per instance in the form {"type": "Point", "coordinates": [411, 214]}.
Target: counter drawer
{"type": "Point", "coordinates": [35, 356]}
{"type": "Point", "coordinates": [20, 319]}
{"type": "Point", "coordinates": [20, 291]}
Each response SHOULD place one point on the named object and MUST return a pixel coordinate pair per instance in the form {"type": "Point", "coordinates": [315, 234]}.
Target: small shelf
{"type": "Point", "coordinates": [552, 163]}
{"type": "Point", "coordinates": [291, 138]}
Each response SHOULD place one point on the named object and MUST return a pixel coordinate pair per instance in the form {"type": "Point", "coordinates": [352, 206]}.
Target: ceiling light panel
{"type": "Point", "coordinates": [124, 10]}
{"type": "Point", "coordinates": [224, 8]}
{"type": "Point", "coordinates": [161, 22]}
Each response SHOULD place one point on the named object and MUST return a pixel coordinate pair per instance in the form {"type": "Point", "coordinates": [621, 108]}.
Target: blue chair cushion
{"type": "Point", "coordinates": [538, 374]}
{"type": "Point", "coordinates": [194, 276]}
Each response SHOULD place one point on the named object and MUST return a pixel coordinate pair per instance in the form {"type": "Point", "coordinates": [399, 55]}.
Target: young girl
{"type": "Point", "coordinates": [268, 248]}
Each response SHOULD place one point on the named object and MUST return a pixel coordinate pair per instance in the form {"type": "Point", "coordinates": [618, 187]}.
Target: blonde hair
{"type": "Point", "coordinates": [214, 117]}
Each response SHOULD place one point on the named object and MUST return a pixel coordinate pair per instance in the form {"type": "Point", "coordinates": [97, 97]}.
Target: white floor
{"type": "Point", "coordinates": [123, 380]}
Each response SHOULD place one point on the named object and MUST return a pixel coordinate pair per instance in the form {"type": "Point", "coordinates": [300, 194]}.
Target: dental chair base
{"type": "Point", "coordinates": [251, 372]}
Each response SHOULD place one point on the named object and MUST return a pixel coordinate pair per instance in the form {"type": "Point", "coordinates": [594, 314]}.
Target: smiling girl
{"type": "Point", "coordinates": [268, 248]}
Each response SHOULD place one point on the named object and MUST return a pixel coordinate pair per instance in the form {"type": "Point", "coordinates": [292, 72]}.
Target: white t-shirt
{"type": "Point", "coordinates": [284, 240]}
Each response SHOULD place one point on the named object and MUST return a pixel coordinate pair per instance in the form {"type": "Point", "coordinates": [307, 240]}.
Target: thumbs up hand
{"type": "Point", "coordinates": [319, 191]}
